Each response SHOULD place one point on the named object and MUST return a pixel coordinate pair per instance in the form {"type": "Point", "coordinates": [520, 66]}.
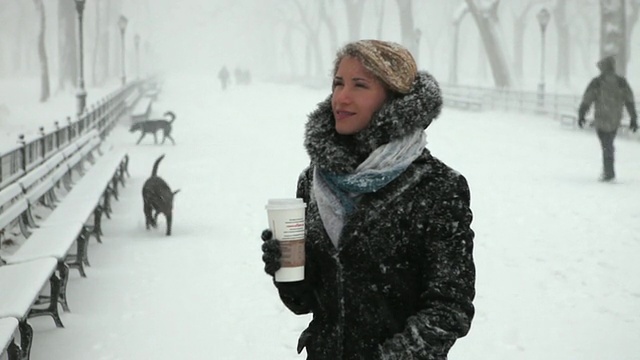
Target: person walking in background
{"type": "Point", "coordinates": [389, 270]}
{"type": "Point", "coordinates": [223, 76]}
{"type": "Point", "coordinates": [609, 92]}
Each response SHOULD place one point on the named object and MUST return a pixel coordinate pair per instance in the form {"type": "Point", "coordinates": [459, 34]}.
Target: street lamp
{"type": "Point", "coordinates": [82, 93]}
{"type": "Point", "coordinates": [543, 19]}
{"type": "Point", "coordinates": [137, 43]}
{"type": "Point", "coordinates": [122, 24]}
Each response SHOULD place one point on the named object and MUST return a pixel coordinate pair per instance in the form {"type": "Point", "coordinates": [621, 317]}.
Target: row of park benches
{"type": "Point", "coordinates": [140, 101]}
{"type": "Point", "coordinates": [74, 188]}
{"type": "Point", "coordinates": [465, 102]}
{"type": "Point", "coordinates": [569, 118]}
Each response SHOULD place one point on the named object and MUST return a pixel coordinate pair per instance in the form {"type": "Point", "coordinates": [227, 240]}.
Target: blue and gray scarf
{"type": "Point", "coordinates": [337, 195]}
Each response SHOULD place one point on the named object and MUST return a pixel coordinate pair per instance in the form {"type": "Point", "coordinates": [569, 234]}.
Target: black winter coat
{"type": "Point", "coordinates": [608, 92]}
{"type": "Point", "coordinates": [400, 284]}
{"type": "Point", "coordinates": [402, 280]}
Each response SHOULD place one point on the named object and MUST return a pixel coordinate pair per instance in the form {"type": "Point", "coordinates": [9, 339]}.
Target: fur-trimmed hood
{"type": "Point", "coordinates": [399, 116]}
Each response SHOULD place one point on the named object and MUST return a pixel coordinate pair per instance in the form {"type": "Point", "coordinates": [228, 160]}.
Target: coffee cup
{"type": "Point", "coordinates": [286, 221]}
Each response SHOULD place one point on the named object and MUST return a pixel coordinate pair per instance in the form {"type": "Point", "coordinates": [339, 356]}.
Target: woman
{"type": "Point", "coordinates": [389, 269]}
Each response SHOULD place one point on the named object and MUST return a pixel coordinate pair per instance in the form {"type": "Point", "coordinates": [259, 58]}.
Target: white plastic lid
{"type": "Point", "coordinates": [290, 203]}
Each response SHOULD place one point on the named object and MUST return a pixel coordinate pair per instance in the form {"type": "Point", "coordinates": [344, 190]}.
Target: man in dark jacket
{"type": "Point", "coordinates": [610, 92]}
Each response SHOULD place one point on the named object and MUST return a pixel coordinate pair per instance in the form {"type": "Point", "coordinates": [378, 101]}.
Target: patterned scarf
{"type": "Point", "coordinates": [337, 195]}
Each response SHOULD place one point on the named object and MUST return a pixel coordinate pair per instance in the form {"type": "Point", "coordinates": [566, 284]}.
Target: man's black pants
{"type": "Point", "coordinates": [606, 142]}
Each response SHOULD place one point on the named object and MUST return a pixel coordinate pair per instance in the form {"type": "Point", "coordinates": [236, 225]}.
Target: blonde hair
{"type": "Point", "coordinates": [390, 62]}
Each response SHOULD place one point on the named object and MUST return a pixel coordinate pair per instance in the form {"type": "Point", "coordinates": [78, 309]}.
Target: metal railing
{"type": "Point", "coordinates": [29, 152]}
{"type": "Point", "coordinates": [550, 104]}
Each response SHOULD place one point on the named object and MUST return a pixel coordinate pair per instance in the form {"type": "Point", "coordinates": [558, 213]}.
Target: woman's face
{"type": "Point", "coordinates": [357, 94]}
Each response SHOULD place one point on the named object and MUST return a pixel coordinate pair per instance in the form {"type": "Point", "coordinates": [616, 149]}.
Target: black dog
{"type": "Point", "coordinates": [153, 126]}
{"type": "Point", "coordinates": [158, 197]}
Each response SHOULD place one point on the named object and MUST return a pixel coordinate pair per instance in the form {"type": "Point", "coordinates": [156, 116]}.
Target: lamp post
{"type": "Point", "coordinates": [81, 95]}
{"type": "Point", "coordinates": [543, 19]}
{"type": "Point", "coordinates": [122, 24]}
{"type": "Point", "coordinates": [137, 44]}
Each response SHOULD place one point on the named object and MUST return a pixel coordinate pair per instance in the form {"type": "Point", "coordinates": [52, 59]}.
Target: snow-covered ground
{"type": "Point", "coordinates": [555, 249]}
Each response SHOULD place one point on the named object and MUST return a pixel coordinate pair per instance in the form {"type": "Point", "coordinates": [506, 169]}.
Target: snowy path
{"type": "Point", "coordinates": [555, 250]}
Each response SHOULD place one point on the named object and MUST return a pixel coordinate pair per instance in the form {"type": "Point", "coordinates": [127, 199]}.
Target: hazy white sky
{"type": "Point", "coordinates": [201, 35]}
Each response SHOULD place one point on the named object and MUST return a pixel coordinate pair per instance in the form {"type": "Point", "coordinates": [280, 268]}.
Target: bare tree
{"type": "Point", "coordinates": [521, 18]}
{"type": "Point", "coordinates": [327, 20]}
{"type": "Point", "coordinates": [486, 18]}
{"type": "Point", "coordinates": [355, 10]}
{"type": "Point", "coordinates": [632, 20]}
{"type": "Point", "coordinates": [286, 42]}
{"type": "Point", "coordinates": [433, 23]}
{"type": "Point", "coordinates": [311, 25]}
{"type": "Point", "coordinates": [585, 37]}
{"type": "Point", "coordinates": [107, 59]}
{"type": "Point", "coordinates": [410, 35]}
{"type": "Point", "coordinates": [563, 66]}
{"type": "Point", "coordinates": [456, 20]}
{"type": "Point", "coordinates": [42, 52]}
{"type": "Point", "coordinates": [20, 37]}
{"type": "Point", "coordinates": [96, 44]}
{"type": "Point", "coordinates": [613, 32]}
{"type": "Point", "coordinates": [5, 16]}
{"type": "Point", "coordinates": [380, 14]}
{"type": "Point", "coordinates": [68, 63]}
{"type": "Point", "coordinates": [285, 19]}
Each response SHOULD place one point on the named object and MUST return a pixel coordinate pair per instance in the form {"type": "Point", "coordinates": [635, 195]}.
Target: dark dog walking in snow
{"type": "Point", "coordinates": [158, 197]}
{"type": "Point", "coordinates": [153, 126]}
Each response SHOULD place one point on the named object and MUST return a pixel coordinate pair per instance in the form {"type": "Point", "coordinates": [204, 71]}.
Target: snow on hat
{"type": "Point", "coordinates": [390, 62]}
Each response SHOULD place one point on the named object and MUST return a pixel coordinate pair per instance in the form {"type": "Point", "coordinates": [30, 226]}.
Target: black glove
{"type": "Point", "coordinates": [270, 252]}
{"type": "Point", "coordinates": [634, 125]}
{"type": "Point", "coordinates": [581, 122]}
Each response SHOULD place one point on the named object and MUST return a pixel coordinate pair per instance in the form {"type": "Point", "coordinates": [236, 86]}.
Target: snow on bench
{"type": "Point", "coordinates": [37, 186]}
{"type": "Point", "coordinates": [8, 329]}
{"type": "Point", "coordinates": [13, 207]}
{"type": "Point", "coordinates": [464, 102]}
{"type": "Point", "coordinates": [132, 98]}
{"type": "Point", "coordinates": [89, 197]}
{"type": "Point", "coordinates": [141, 110]}
{"type": "Point", "coordinates": [22, 285]}
{"type": "Point", "coordinates": [57, 242]}
{"type": "Point", "coordinates": [48, 248]}
{"type": "Point", "coordinates": [56, 171]}
{"type": "Point", "coordinates": [25, 274]}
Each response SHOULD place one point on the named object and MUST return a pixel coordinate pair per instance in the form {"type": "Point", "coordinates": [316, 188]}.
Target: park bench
{"type": "Point", "coordinates": [152, 90]}
{"type": "Point", "coordinates": [570, 118]}
{"type": "Point", "coordinates": [74, 155]}
{"type": "Point", "coordinates": [22, 285]}
{"type": "Point", "coordinates": [132, 98]}
{"type": "Point", "coordinates": [38, 187]}
{"type": "Point", "coordinates": [14, 208]}
{"type": "Point", "coordinates": [37, 184]}
{"type": "Point", "coordinates": [8, 329]}
{"type": "Point", "coordinates": [463, 102]}
{"type": "Point", "coordinates": [70, 221]}
{"type": "Point", "coordinates": [141, 110]}
{"type": "Point", "coordinates": [45, 254]}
